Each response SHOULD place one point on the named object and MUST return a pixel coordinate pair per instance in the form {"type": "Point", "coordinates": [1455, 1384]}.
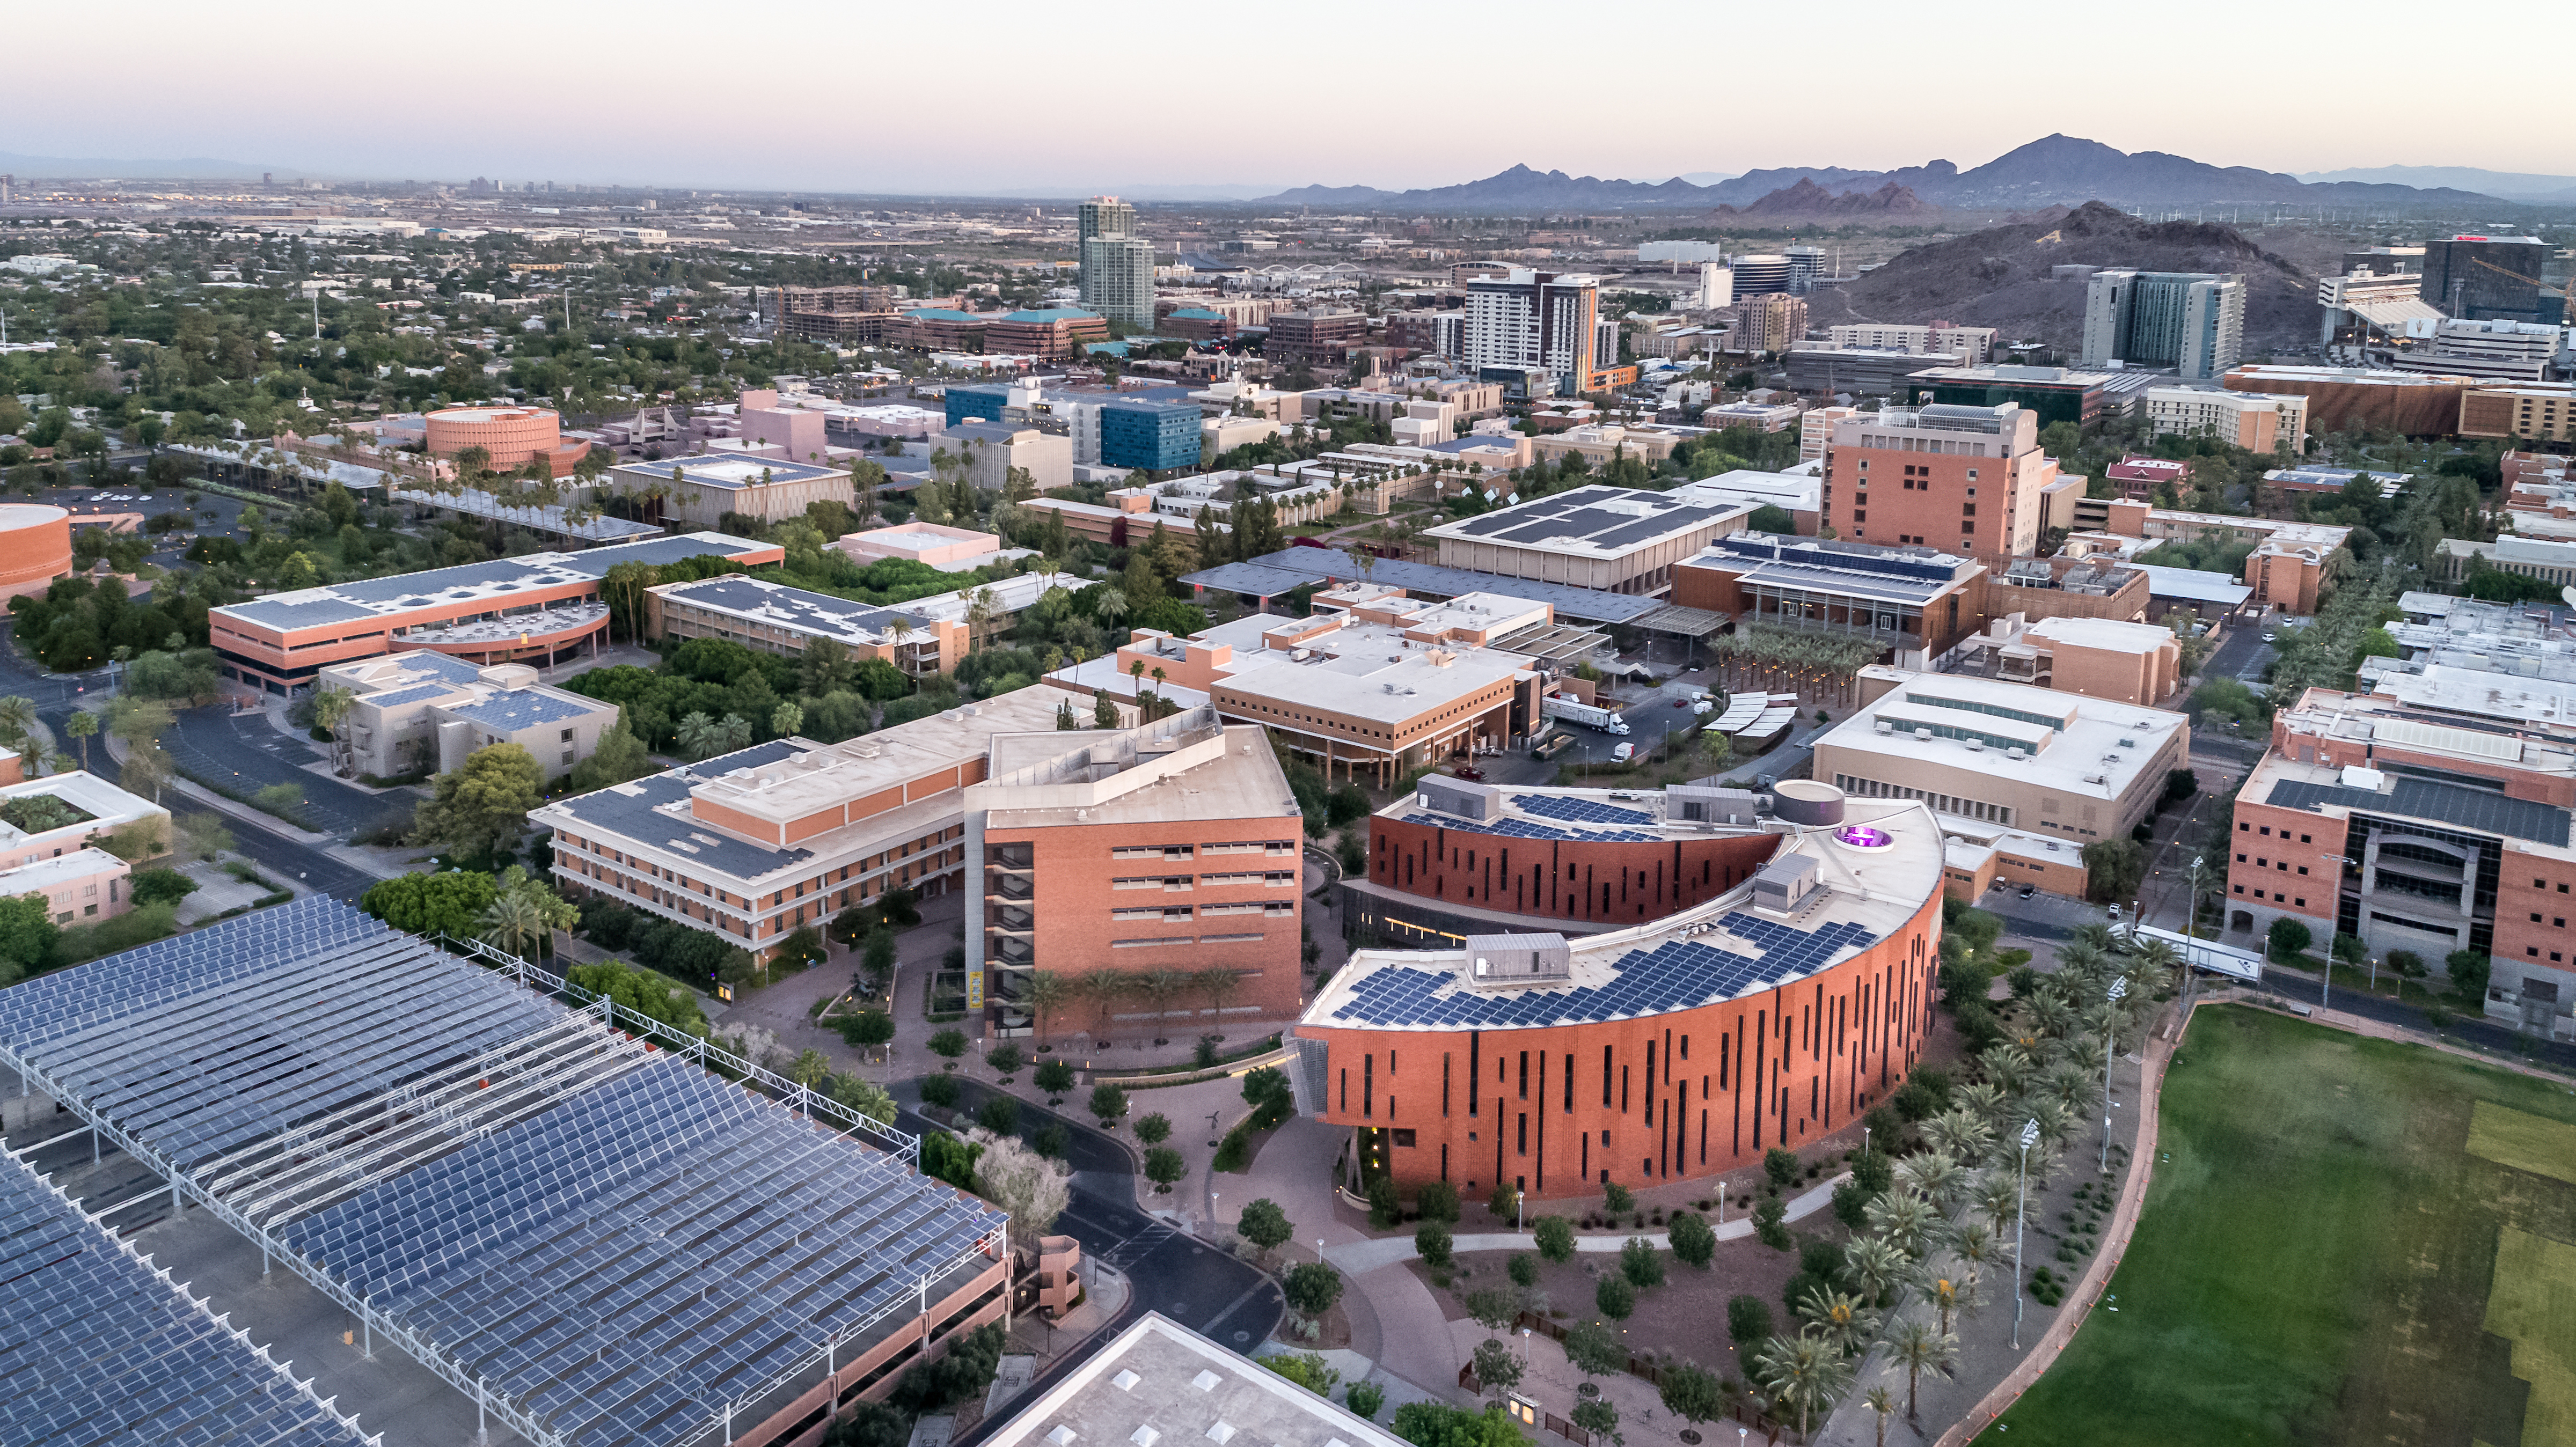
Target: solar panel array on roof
{"type": "Point", "coordinates": [1673, 975]}
{"type": "Point", "coordinates": [618, 1252]}
{"type": "Point", "coordinates": [1579, 811]}
{"type": "Point", "coordinates": [1528, 829]}
{"type": "Point", "coordinates": [2448, 803]}
{"type": "Point", "coordinates": [96, 1348]}
{"type": "Point", "coordinates": [714, 1239]}
{"type": "Point", "coordinates": [417, 693]}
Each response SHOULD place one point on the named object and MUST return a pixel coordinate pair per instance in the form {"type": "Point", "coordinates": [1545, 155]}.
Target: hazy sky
{"type": "Point", "coordinates": [1066, 98]}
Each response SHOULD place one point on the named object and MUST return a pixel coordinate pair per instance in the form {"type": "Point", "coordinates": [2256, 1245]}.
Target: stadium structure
{"type": "Point", "coordinates": [561, 1211]}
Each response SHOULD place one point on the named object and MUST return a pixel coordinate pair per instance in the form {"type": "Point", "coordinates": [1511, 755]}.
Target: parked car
{"type": "Point", "coordinates": [1623, 753]}
{"type": "Point", "coordinates": [2271, 637]}
{"type": "Point", "coordinates": [1472, 776]}
{"type": "Point", "coordinates": [2115, 911]}
{"type": "Point", "coordinates": [2028, 890]}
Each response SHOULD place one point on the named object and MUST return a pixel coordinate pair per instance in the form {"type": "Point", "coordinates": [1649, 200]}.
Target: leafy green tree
{"type": "Point", "coordinates": [1306, 1369]}
{"type": "Point", "coordinates": [1505, 1202]}
{"type": "Point", "coordinates": [999, 1114]}
{"type": "Point", "coordinates": [1366, 1399]}
{"type": "Point", "coordinates": [1694, 1241]}
{"type": "Point", "coordinates": [160, 886]}
{"type": "Point", "coordinates": [1522, 1267]}
{"type": "Point", "coordinates": [2470, 971]}
{"type": "Point", "coordinates": [1641, 1263]}
{"type": "Point", "coordinates": [1555, 1238]}
{"type": "Point", "coordinates": [1497, 1367]}
{"type": "Point", "coordinates": [620, 757]}
{"type": "Point", "coordinates": [2289, 939]}
{"type": "Point", "coordinates": [948, 1043]}
{"type": "Point", "coordinates": [1616, 1297]}
{"type": "Point", "coordinates": [1311, 1288]}
{"type": "Point", "coordinates": [429, 904]}
{"type": "Point", "coordinates": [864, 1096]}
{"type": "Point", "coordinates": [27, 935]}
{"type": "Point", "coordinates": [1595, 1349]}
{"type": "Point", "coordinates": [1109, 1103]}
{"type": "Point", "coordinates": [1780, 1167]}
{"type": "Point", "coordinates": [1748, 1320]}
{"type": "Point", "coordinates": [1154, 1129]}
{"type": "Point", "coordinates": [1053, 1076]}
{"type": "Point", "coordinates": [482, 808]}
{"type": "Point", "coordinates": [1265, 1225]}
{"type": "Point", "coordinates": [1692, 1393]}
{"type": "Point", "coordinates": [1386, 1208]}
{"type": "Point", "coordinates": [1431, 1242]}
{"type": "Point", "coordinates": [2114, 868]}
{"type": "Point", "coordinates": [1163, 1166]}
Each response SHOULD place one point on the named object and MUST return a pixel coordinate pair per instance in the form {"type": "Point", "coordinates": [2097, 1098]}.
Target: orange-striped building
{"type": "Point", "coordinates": [1630, 988]}
{"type": "Point", "coordinates": [541, 608]}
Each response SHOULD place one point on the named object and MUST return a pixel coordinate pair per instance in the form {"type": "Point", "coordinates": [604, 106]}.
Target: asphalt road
{"type": "Point", "coordinates": [1195, 1284]}
{"type": "Point", "coordinates": [57, 695]}
{"type": "Point", "coordinates": [246, 751]}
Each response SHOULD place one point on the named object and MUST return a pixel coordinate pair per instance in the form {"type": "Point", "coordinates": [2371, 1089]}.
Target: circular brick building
{"type": "Point", "coordinates": [513, 436]}
{"type": "Point", "coordinates": [35, 547]}
{"type": "Point", "coordinates": [1628, 987]}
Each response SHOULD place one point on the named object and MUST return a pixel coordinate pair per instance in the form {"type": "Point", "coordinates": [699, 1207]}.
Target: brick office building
{"type": "Point", "coordinates": [1971, 479]}
{"type": "Point", "coordinates": [1634, 989]}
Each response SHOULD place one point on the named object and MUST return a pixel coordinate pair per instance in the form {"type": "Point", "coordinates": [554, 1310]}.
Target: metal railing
{"type": "Point", "coordinates": [699, 1051]}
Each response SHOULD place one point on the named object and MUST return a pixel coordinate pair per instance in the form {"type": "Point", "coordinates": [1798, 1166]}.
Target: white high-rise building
{"type": "Point", "coordinates": [1117, 264]}
{"type": "Point", "coordinates": [1539, 319]}
{"type": "Point", "coordinates": [1716, 286]}
{"type": "Point", "coordinates": [2191, 321]}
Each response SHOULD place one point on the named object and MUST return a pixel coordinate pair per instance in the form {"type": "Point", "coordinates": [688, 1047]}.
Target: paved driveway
{"type": "Point", "coordinates": [246, 753]}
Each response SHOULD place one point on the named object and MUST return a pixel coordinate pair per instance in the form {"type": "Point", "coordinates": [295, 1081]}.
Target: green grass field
{"type": "Point", "coordinates": [2327, 1258]}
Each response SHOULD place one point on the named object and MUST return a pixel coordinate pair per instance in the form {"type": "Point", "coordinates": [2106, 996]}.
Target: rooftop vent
{"type": "Point", "coordinates": [1885, 728]}
{"type": "Point", "coordinates": [2017, 752]}
{"type": "Point", "coordinates": [1923, 735]}
{"type": "Point", "coordinates": [1976, 746]}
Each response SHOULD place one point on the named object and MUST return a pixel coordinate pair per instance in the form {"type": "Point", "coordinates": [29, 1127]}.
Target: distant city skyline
{"type": "Point", "coordinates": [1028, 100]}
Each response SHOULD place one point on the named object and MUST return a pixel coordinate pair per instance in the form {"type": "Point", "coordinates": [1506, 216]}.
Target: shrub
{"type": "Point", "coordinates": [949, 1043]}
{"type": "Point", "coordinates": [1615, 1297]}
{"type": "Point", "coordinates": [1851, 1204]}
{"type": "Point", "coordinates": [1556, 1239]}
{"type": "Point", "coordinates": [1781, 1167]}
{"type": "Point", "coordinates": [1694, 1240]}
{"type": "Point", "coordinates": [1505, 1202]}
{"type": "Point", "coordinates": [1619, 1198]}
{"type": "Point", "coordinates": [1234, 1152]}
{"type": "Point", "coordinates": [1431, 1241]}
{"type": "Point", "coordinates": [1523, 1268]}
{"type": "Point", "coordinates": [999, 1114]}
{"type": "Point", "coordinates": [1385, 1207]}
{"type": "Point", "coordinates": [161, 886]}
{"type": "Point", "coordinates": [1364, 1399]}
{"type": "Point", "coordinates": [1767, 1224]}
{"type": "Point", "coordinates": [1640, 1263]}
{"type": "Point", "coordinates": [1437, 1201]}
{"type": "Point", "coordinates": [1053, 1141]}
{"type": "Point", "coordinates": [2406, 963]}
{"type": "Point", "coordinates": [2289, 939]}
{"type": "Point", "coordinates": [939, 1090]}
{"type": "Point", "coordinates": [867, 1028]}
{"type": "Point", "coordinates": [1748, 1319]}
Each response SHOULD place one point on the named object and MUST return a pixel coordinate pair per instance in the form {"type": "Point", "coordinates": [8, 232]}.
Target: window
{"type": "Point", "coordinates": [567, 736]}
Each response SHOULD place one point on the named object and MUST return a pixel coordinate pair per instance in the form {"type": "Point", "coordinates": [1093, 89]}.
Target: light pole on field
{"type": "Point", "coordinates": [2029, 1138]}
{"type": "Point", "coordinates": [2119, 991]}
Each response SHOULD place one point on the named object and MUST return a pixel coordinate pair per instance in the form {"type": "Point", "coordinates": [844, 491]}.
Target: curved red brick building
{"type": "Point", "coordinates": [1671, 983]}
{"type": "Point", "coordinates": [512, 435]}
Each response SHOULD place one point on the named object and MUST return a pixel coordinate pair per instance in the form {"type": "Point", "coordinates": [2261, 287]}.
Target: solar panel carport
{"type": "Point", "coordinates": [595, 1239]}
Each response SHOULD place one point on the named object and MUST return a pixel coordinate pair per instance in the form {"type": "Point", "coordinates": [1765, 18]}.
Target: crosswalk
{"type": "Point", "coordinates": [1140, 1245]}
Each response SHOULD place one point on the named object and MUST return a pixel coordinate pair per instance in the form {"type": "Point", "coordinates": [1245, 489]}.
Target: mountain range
{"type": "Point", "coordinates": [2057, 169]}
{"type": "Point", "coordinates": [2509, 185]}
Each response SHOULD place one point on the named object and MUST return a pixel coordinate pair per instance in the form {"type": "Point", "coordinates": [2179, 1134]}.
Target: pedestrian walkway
{"type": "Point", "coordinates": [1378, 1251]}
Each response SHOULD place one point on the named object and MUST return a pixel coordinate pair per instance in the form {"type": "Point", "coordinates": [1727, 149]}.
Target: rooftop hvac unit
{"type": "Point", "coordinates": [1923, 735]}
{"type": "Point", "coordinates": [1884, 727]}
{"type": "Point", "coordinates": [2095, 779]}
{"type": "Point", "coordinates": [1976, 746]}
{"type": "Point", "coordinates": [2128, 743]}
{"type": "Point", "coordinates": [2018, 752]}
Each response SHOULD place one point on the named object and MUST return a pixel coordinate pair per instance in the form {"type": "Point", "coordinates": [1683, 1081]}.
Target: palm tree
{"type": "Point", "coordinates": [696, 736]}
{"type": "Point", "coordinates": [513, 921]}
{"type": "Point", "coordinates": [1873, 1266]}
{"type": "Point", "coordinates": [1109, 605]}
{"type": "Point", "coordinates": [17, 720]}
{"type": "Point", "coordinates": [983, 609]}
{"type": "Point", "coordinates": [1936, 1175]}
{"type": "Point", "coordinates": [1104, 988]}
{"type": "Point", "coordinates": [1916, 1347]}
{"type": "Point", "coordinates": [82, 726]}
{"type": "Point", "coordinates": [1805, 1372]}
{"type": "Point", "coordinates": [1161, 987]}
{"type": "Point", "coordinates": [1218, 983]}
{"type": "Point", "coordinates": [1958, 1134]}
{"type": "Point", "coordinates": [331, 709]}
{"type": "Point", "coordinates": [1997, 1196]}
{"type": "Point", "coordinates": [1838, 1316]}
{"type": "Point", "coordinates": [898, 632]}
{"type": "Point", "coordinates": [1904, 1220]}
{"type": "Point", "coordinates": [1984, 1102]}
{"type": "Point", "coordinates": [1883, 1405]}
{"type": "Point", "coordinates": [1048, 991]}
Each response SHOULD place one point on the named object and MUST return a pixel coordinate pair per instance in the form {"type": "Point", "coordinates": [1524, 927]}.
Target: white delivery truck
{"type": "Point", "coordinates": [1567, 710]}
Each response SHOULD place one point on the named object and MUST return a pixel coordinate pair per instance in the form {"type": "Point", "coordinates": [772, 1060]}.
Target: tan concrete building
{"type": "Point", "coordinates": [2256, 421]}
{"type": "Point", "coordinates": [1613, 539]}
{"type": "Point", "coordinates": [1768, 323]}
{"type": "Point", "coordinates": [2104, 658]}
{"type": "Point", "coordinates": [2293, 566]}
{"type": "Point", "coordinates": [424, 711]}
{"type": "Point", "coordinates": [699, 491]}
{"type": "Point", "coordinates": [2043, 761]}
{"type": "Point", "coordinates": [2533, 413]}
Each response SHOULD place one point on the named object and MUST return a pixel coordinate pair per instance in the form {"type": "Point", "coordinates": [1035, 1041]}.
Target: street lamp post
{"type": "Point", "coordinates": [2110, 1036]}
{"type": "Point", "coordinates": [2029, 1138]}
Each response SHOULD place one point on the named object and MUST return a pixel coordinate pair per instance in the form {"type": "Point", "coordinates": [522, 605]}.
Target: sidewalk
{"type": "Point", "coordinates": [1379, 1251]}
